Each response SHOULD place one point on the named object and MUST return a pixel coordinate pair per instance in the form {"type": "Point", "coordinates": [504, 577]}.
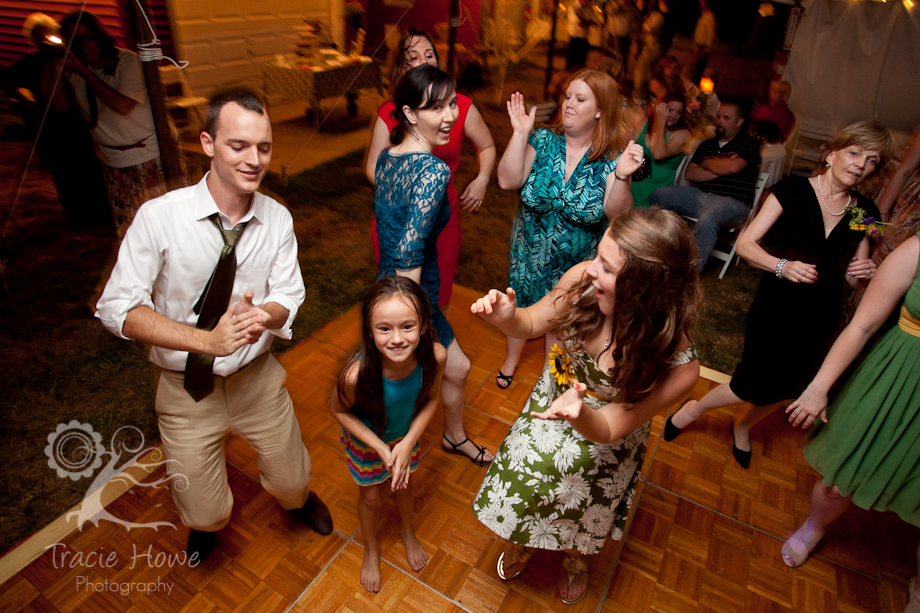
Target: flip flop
{"type": "Point", "coordinates": [518, 554]}
{"type": "Point", "coordinates": [573, 567]}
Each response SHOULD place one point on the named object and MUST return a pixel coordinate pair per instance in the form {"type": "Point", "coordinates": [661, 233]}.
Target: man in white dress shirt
{"type": "Point", "coordinates": [164, 265]}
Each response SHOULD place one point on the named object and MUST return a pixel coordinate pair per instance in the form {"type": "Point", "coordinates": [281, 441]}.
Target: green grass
{"type": "Point", "coordinates": [57, 363]}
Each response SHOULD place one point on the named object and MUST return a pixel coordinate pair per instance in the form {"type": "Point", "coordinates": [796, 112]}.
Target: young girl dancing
{"type": "Point", "coordinates": [384, 399]}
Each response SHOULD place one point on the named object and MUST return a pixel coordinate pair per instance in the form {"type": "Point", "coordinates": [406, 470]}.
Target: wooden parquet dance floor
{"type": "Point", "coordinates": [704, 536]}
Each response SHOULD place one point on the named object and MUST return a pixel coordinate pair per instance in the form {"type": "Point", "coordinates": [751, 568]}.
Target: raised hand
{"type": "Point", "coordinates": [661, 115]}
{"type": "Point", "coordinates": [521, 121]}
{"type": "Point", "coordinates": [566, 406]}
{"type": "Point", "coordinates": [630, 160]}
{"type": "Point", "coordinates": [496, 307]}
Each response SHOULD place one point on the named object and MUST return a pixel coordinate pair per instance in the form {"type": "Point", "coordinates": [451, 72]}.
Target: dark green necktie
{"type": "Point", "coordinates": [199, 380]}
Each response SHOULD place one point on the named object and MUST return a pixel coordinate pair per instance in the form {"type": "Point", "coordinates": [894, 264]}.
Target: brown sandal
{"type": "Point", "coordinates": [518, 555]}
{"type": "Point", "coordinates": [573, 567]}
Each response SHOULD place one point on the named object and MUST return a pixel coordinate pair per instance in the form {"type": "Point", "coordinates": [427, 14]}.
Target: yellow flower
{"type": "Point", "coordinates": [560, 366]}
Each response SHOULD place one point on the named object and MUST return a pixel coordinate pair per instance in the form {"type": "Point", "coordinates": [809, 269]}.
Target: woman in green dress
{"type": "Point", "coordinates": [865, 444]}
{"type": "Point", "coordinates": [565, 476]}
{"type": "Point", "coordinates": [663, 137]}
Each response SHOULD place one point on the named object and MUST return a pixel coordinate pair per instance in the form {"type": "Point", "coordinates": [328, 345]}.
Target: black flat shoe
{"type": "Point", "coordinates": [670, 431]}
{"type": "Point", "coordinates": [742, 457]}
{"type": "Point", "coordinates": [315, 515]}
{"type": "Point", "coordinates": [200, 545]}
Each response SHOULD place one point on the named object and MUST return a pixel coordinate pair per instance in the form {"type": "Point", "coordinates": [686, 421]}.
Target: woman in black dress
{"type": "Point", "coordinates": [810, 248]}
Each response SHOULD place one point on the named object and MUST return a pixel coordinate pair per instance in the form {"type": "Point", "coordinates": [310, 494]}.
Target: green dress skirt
{"type": "Point", "coordinates": [551, 488]}
{"type": "Point", "coordinates": [870, 447]}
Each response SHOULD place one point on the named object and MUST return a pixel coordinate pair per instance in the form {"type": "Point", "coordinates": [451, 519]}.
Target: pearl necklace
{"type": "Point", "coordinates": [824, 202]}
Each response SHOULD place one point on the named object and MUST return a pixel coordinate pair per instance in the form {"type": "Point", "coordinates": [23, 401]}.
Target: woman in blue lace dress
{"type": "Point", "coordinates": [411, 210]}
{"type": "Point", "coordinates": [571, 182]}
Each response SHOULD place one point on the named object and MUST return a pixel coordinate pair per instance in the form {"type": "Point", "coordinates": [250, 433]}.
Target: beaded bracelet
{"type": "Point", "coordinates": [779, 267]}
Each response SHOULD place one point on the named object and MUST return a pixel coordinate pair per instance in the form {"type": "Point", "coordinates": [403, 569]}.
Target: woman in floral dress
{"type": "Point", "coordinates": [566, 474]}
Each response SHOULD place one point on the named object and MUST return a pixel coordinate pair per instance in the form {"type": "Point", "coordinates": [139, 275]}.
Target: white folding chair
{"type": "Point", "coordinates": [807, 146]}
{"type": "Point", "coordinates": [730, 237]}
{"type": "Point", "coordinates": [544, 110]}
{"type": "Point", "coordinates": [179, 96]}
{"type": "Point", "coordinates": [679, 178]}
{"type": "Point", "coordinates": [772, 161]}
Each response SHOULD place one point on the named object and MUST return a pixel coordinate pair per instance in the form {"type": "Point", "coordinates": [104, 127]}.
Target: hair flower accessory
{"type": "Point", "coordinates": [560, 366]}
{"type": "Point", "coordinates": [861, 223]}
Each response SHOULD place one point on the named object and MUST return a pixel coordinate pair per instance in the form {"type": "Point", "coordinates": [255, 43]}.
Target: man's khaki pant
{"type": "Point", "coordinates": [252, 403]}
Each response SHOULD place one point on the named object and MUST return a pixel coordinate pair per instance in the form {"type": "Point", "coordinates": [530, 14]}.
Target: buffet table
{"type": "Point", "coordinates": [312, 84]}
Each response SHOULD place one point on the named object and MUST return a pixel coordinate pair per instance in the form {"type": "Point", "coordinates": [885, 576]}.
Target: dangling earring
{"type": "Point", "coordinates": [415, 133]}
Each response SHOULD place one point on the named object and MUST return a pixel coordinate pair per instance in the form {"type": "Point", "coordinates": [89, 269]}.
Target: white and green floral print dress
{"type": "Point", "coordinates": [551, 488]}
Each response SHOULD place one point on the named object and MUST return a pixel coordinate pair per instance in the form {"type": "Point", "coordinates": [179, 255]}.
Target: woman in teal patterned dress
{"type": "Point", "coordinates": [566, 474]}
{"type": "Point", "coordinates": [571, 182]}
{"type": "Point", "coordinates": [865, 445]}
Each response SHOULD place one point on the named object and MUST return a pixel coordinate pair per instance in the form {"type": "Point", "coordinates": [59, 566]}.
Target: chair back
{"type": "Point", "coordinates": [679, 178]}
{"type": "Point", "coordinates": [544, 110]}
{"type": "Point", "coordinates": [734, 235]}
{"type": "Point", "coordinates": [773, 159]}
{"type": "Point", "coordinates": [807, 145]}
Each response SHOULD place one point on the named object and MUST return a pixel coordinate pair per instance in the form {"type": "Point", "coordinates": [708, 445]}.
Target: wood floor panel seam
{"type": "Point", "coordinates": [318, 575]}
{"type": "Point", "coordinates": [762, 531]}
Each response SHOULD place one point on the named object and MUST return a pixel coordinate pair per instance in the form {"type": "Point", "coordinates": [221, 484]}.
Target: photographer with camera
{"type": "Point", "coordinates": [63, 142]}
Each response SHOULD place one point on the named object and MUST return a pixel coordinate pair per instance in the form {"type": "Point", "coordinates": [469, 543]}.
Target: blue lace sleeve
{"type": "Point", "coordinates": [426, 187]}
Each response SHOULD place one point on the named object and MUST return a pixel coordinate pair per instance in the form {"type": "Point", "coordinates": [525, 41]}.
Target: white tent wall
{"type": "Point", "coordinates": [857, 60]}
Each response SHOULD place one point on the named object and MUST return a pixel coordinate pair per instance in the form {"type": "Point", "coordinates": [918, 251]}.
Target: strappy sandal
{"type": "Point", "coordinates": [573, 567]}
{"type": "Point", "coordinates": [479, 460]}
{"type": "Point", "coordinates": [518, 555]}
{"type": "Point", "coordinates": [503, 381]}
{"type": "Point", "coordinates": [806, 537]}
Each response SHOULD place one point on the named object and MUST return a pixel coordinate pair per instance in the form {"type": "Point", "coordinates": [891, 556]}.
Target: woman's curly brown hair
{"type": "Point", "coordinates": [656, 301]}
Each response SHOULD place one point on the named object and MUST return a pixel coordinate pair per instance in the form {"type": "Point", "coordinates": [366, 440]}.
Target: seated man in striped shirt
{"type": "Point", "coordinates": [725, 171]}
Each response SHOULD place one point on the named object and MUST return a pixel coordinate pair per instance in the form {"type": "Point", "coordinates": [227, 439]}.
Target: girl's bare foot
{"type": "Point", "coordinates": [415, 553]}
{"type": "Point", "coordinates": [370, 571]}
